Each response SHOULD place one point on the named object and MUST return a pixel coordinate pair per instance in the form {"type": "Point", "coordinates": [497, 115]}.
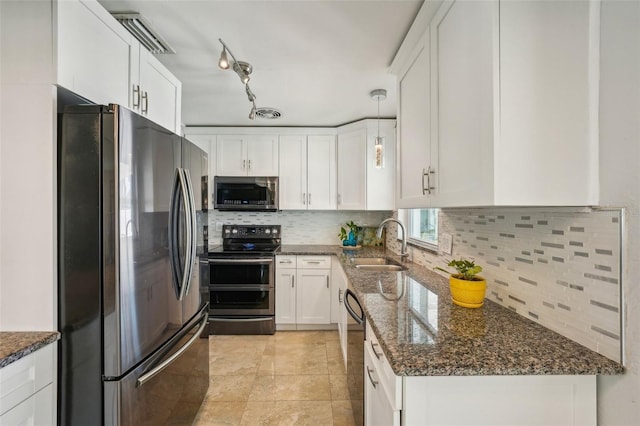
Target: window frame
{"type": "Point", "coordinates": [405, 216]}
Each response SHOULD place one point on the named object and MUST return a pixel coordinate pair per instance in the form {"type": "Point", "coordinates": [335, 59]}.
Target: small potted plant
{"type": "Point", "coordinates": [350, 238]}
{"type": "Point", "coordinates": [467, 289]}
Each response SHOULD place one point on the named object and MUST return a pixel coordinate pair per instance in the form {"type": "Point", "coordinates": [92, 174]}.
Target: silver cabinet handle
{"type": "Point", "coordinates": [376, 353]}
{"type": "Point", "coordinates": [309, 198]}
{"type": "Point", "coordinates": [369, 371]}
{"type": "Point", "coordinates": [304, 199]}
{"type": "Point", "coordinates": [293, 278]}
{"type": "Point", "coordinates": [145, 100]}
{"type": "Point", "coordinates": [430, 172]}
{"type": "Point", "coordinates": [288, 261]}
{"type": "Point", "coordinates": [313, 262]}
{"type": "Point", "coordinates": [244, 164]}
{"type": "Point", "coordinates": [249, 163]}
{"type": "Point", "coordinates": [339, 199]}
{"type": "Point", "coordinates": [136, 96]}
{"type": "Point", "coordinates": [327, 281]}
{"type": "Point", "coordinates": [340, 295]}
{"type": "Point", "coordinates": [424, 173]}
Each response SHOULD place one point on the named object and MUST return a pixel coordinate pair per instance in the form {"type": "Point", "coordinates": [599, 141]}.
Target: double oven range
{"type": "Point", "coordinates": [238, 280]}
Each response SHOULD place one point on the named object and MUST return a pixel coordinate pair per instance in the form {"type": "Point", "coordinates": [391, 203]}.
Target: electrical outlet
{"type": "Point", "coordinates": [218, 226]}
{"type": "Point", "coordinates": [446, 243]}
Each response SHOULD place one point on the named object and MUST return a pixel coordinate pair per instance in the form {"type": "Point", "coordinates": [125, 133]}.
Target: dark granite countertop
{"type": "Point", "coordinates": [422, 333]}
{"type": "Point", "coordinates": [17, 344]}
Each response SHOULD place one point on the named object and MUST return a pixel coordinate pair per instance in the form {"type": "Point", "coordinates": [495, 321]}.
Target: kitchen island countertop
{"type": "Point", "coordinates": [17, 344]}
{"type": "Point", "coordinates": [422, 333]}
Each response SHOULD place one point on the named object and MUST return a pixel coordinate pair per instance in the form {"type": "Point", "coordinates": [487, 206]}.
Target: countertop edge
{"type": "Point", "coordinates": [15, 345]}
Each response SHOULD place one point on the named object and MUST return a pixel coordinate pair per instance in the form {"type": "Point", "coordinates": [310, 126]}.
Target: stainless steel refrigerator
{"type": "Point", "coordinates": [131, 222]}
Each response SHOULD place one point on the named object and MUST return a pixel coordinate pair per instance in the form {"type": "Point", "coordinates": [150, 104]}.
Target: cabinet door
{"type": "Point", "coordinates": [94, 53]}
{"type": "Point", "coordinates": [161, 92]}
{"type": "Point", "coordinates": [413, 128]}
{"type": "Point", "coordinates": [313, 296]}
{"type": "Point", "coordinates": [321, 172]}
{"type": "Point", "coordinates": [231, 157]}
{"type": "Point", "coordinates": [377, 407]}
{"type": "Point", "coordinates": [262, 156]}
{"type": "Point", "coordinates": [381, 180]}
{"type": "Point", "coordinates": [462, 103]}
{"type": "Point", "coordinates": [549, 70]}
{"type": "Point", "coordinates": [207, 143]}
{"type": "Point", "coordinates": [293, 172]}
{"type": "Point", "coordinates": [285, 296]}
{"type": "Point", "coordinates": [352, 174]}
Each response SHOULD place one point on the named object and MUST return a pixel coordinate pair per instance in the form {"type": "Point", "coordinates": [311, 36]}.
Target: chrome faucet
{"type": "Point", "coordinates": [403, 251]}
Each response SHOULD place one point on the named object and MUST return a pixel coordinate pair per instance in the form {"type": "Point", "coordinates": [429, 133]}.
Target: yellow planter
{"type": "Point", "coordinates": [469, 294]}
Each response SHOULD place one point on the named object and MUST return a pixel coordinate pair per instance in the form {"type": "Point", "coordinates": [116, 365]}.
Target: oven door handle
{"type": "Point", "coordinates": [259, 261]}
{"type": "Point", "coordinates": [240, 287]}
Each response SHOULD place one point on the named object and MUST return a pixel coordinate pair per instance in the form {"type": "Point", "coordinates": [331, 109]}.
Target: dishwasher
{"type": "Point", "coordinates": [355, 355]}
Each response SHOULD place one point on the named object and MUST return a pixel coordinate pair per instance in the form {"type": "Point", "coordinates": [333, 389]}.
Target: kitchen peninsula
{"type": "Point", "coordinates": [440, 354]}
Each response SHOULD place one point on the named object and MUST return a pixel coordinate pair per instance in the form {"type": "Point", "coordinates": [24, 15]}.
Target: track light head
{"type": "Point", "coordinates": [223, 62]}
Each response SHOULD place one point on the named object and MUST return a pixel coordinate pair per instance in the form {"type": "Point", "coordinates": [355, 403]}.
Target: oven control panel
{"type": "Point", "coordinates": [250, 231]}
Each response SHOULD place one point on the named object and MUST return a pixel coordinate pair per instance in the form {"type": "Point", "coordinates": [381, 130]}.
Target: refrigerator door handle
{"type": "Point", "coordinates": [149, 375]}
{"type": "Point", "coordinates": [191, 233]}
{"type": "Point", "coordinates": [180, 272]}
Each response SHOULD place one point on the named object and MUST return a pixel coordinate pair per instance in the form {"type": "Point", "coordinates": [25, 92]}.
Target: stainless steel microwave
{"type": "Point", "coordinates": [246, 193]}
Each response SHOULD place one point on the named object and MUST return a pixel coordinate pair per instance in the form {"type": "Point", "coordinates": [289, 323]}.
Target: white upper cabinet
{"type": "Point", "coordinates": [462, 104]}
{"type": "Point", "coordinates": [512, 102]}
{"type": "Point", "coordinates": [381, 176]}
{"type": "Point", "coordinates": [352, 172]}
{"type": "Point", "coordinates": [547, 152]}
{"type": "Point", "coordinates": [101, 61]}
{"type": "Point", "coordinates": [413, 127]}
{"type": "Point", "coordinates": [307, 172]}
{"type": "Point", "coordinates": [247, 155]}
{"type": "Point", "coordinates": [95, 53]}
{"type": "Point", "coordinates": [157, 93]}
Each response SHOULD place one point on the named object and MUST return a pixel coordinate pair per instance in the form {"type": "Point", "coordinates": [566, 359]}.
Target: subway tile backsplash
{"type": "Point", "coordinates": [558, 268]}
{"type": "Point", "coordinates": [298, 227]}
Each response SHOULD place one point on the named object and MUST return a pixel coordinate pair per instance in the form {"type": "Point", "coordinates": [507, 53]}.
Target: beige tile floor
{"type": "Point", "coordinates": [290, 378]}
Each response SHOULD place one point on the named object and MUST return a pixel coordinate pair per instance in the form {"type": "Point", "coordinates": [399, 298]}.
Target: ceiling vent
{"type": "Point", "coordinates": [268, 113]}
{"type": "Point", "coordinates": [143, 32]}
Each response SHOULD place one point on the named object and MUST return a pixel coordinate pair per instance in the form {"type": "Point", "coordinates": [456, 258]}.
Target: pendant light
{"type": "Point", "coordinates": [378, 159]}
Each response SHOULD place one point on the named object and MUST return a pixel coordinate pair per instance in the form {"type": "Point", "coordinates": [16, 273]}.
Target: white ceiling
{"type": "Point", "coordinates": [314, 60]}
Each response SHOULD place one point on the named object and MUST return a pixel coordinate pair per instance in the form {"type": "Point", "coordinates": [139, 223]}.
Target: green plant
{"type": "Point", "coordinates": [467, 270]}
{"type": "Point", "coordinates": [343, 235]}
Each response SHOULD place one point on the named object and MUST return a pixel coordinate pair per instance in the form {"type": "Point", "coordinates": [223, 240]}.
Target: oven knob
{"type": "Point", "coordinates": [267, 231]}
{"type": "Point", "coordinates": [234, 231]}
{"type": "Point", "coordinates": [275, 230]}
{"type": "Point", "coordinates": [226, 231]}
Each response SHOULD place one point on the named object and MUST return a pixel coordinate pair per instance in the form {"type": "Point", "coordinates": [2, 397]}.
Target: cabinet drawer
{"type": "Point", "coordinates": [391, 383]}
{"type": "Point", "coordinates": [286, 261]}
{"type": "Point", "coordinates": [26, 376]}
{"type": "Point", "coordinates": [314, 262]}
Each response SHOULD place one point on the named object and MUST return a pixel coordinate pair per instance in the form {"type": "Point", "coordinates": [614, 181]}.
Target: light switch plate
{"type": "Point", "coordinates": [446, 243]}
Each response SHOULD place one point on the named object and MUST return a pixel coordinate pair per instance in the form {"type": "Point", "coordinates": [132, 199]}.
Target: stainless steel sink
{"type": "Point", "coordinates": [390, 267]}
{"type": "Point", "coordinates": [376, 264]}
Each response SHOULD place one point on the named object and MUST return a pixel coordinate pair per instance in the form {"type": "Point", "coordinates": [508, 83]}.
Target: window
{"type": "Point", "coordinates": [422, 227]}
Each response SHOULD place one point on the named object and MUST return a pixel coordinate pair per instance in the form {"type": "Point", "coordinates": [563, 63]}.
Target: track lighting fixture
{"type": "Point", "coordinates": [243, 69]}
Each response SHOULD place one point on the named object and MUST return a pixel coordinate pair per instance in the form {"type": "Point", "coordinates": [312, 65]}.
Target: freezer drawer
{"type": "Point", "coordinates": [173, 395]}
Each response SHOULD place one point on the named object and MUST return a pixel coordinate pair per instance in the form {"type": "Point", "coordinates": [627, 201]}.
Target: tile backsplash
{"type": "Point", "coordinates": [558, 268]}
{"type": "Point", "coordinates": [298, 227]}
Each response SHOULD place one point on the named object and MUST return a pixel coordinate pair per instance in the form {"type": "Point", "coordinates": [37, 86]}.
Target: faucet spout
{"type": "Point", "coordinates": [403, 250]}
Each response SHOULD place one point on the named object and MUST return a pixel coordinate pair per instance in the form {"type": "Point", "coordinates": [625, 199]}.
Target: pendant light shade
{"type": "Point", "coordinates": [378, 158]}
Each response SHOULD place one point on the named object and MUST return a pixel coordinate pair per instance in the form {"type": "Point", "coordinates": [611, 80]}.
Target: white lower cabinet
{"type": "Point", "coordinates": [339, 314]}
{"type": "Point", "coordinates": [27, 389]}
{"type": "Point", "coordinates": [303, 290]}
{"type": "Point", "coordinates": [472, 400]}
